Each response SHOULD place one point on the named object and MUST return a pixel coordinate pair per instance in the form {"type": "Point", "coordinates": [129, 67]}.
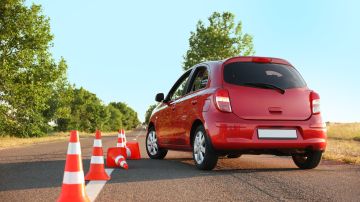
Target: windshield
{"type": "Point", "coordinates": [281, 76]}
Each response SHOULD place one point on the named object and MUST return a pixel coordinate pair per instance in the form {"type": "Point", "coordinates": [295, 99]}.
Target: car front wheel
{"type": "Point", "coordinates": [308, 161]}
{"type": "Point", "coordinates": [203, 154]}
{"type": "Point", "coordinates": [152, 147]}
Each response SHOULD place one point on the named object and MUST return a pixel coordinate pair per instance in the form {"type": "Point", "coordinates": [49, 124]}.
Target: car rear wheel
{"type": "Point", "coordinates": [152, 147]}
{"type": "Point", "coordinates": [308, 161]}
{"type": "Point", "coordinates": [203, 154]}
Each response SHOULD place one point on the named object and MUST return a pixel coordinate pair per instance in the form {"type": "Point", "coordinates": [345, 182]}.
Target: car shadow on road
{"type": "Point", "coordinates": [149, 170]}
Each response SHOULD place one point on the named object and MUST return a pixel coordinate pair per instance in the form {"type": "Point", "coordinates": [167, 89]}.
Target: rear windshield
{"type": "Point", "coordinates": [283, 76]}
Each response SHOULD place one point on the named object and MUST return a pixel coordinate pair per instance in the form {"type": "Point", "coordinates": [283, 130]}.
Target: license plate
{"type": "Point", "coordinates": [277, 134]}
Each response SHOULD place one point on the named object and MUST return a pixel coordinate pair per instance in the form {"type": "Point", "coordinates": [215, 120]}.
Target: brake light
{"type": "Point", "coordinates": [222, 100]}
{"type": "Point", "coordinates": [315, 103]}
{"type": "Point", "coordinates": [261, 60]}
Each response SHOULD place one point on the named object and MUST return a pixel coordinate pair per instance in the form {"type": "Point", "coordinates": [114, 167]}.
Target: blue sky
{"type": "Point", "coordinates": [130, 50]}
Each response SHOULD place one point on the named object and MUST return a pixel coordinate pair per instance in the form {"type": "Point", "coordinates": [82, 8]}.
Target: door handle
{"type": "Point", "coordinates": [276, 110]}
{"type": "Point", "coordinates": [194, 102]}
{"type": "Point", "coordinates": [173, 107]}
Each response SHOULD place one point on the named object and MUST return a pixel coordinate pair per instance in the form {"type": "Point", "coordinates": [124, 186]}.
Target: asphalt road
{"type": "Point", "coordinates": [34, 173]}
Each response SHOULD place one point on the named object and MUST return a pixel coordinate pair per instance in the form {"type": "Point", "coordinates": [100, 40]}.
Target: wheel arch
{"type": "Point", "coordinates": [150, 125]}
{"type": "Point", "coordinates": [195, 124]}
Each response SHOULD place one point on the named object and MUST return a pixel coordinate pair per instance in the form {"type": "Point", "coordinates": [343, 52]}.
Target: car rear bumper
{"type": "Point", "coordinates": [243, 135]}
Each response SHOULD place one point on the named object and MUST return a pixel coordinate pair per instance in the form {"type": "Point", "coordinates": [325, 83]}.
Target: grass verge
{"type": "Point", "coordinates": [343, 131]}
{"type": "Point", "coordinates": [347, 151]}
{"type": "Point", "coordinates": [343, 142]}
{"type": "Point", "coordinates": [11, 142]}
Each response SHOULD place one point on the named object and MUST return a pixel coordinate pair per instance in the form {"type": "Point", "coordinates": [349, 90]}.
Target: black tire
{"type": "Point", "coordinates": [233, 156]}
{"type": "Point", "coordinates": [210, 158]}
{"type": "Point", "coordinates": [160, 153]}
{"type": "Point", "coordinates": [308, 161]}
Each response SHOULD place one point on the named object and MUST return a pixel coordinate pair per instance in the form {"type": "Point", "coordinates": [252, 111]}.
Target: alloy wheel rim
{"type": "Point", "coordinates": [152, 143]}
{"type": "Point", "coordinates": [199, 147]}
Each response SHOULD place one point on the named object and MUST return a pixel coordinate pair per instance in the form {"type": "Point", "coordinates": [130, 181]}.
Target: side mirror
{"type": "Point", "coordinates": [159, 97]}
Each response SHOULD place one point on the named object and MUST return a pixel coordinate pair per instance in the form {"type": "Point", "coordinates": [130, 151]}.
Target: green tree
{"type": "Point", "coordinates": [129, 119]}
{"type": "Point", "coordinates": [60, 100]}
{"type": "Point", "coordinates": [149, 112]}
{"type": "Point", "coordinates": [222, 38]}
{"type": "Point", "coordinates": [27, 70]}
{"type": "Point", "coordinates": [88, 113]}
{"type": "Point", "coordinates": [115, 121]}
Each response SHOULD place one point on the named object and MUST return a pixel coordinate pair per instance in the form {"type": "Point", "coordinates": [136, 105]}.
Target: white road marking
{"type": "Point", "coordinates": [93, 188]}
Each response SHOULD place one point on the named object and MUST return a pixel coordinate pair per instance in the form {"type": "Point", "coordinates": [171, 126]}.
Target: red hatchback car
{"type": "Point", "coordinates": [241, 105]}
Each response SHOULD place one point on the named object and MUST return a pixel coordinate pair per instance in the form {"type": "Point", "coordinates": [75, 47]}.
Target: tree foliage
{"type": "Point", "coordinates": [35, 95]}
{"type": "Point", "coordinates": [149, 112]}
{"type": "Point", "coordinates": [115, 121]}
{"type": "Point", "coordinates": [87, 112]}
{"type": "Point", "coordinates": [222, 38]}
{"type": "Point", "coordinates": [129, 118]}
{"type": "Point", "coordinates": [27, 70]}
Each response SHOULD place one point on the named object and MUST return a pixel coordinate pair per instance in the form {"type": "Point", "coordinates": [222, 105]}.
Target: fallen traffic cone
{"type": "Point", "coordinates": [73, 187]}
{"type": "Point", "coordinates": [133, 150]}
{"type": "Point", "coordinates": [116, 157]}
{"type": "Point", "coordinates": [97, 170]}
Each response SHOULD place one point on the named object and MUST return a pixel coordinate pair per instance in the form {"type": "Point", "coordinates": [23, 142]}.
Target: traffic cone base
{"type": "Point", "coordinates": [97, 172]}
{"type": "Point", "coordinates": [73, 193]}
{"type": "Point", "coordinates": [133, 150]}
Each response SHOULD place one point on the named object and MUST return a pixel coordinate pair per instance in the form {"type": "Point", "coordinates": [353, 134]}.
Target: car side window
{"type": "Point", "coordinates": [201, 79]}
{"type": "Point", "coordinates": [181, 88]}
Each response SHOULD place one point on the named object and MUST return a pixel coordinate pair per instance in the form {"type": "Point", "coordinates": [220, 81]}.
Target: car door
{"type": "Point", "coordinates": [165, 123]}
{"type": "Point", "coordinates": [191, 105]}
{"type": "Point", "coordinates": [162, 123]}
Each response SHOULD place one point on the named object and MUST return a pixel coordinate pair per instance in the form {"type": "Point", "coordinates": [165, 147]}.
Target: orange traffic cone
{"type": "Point", "coordinates": [121, 139]}
{"type": "Point", "coordinates": [133, 150]}
{"type": "Point", "coordinates": [97, 170]}
{"type": "Point", "coordinates": [73, 187]}
{"type": "Point", "coordinates": [116, 157]}
{"type": "Point", "coordinates": [121, 162]}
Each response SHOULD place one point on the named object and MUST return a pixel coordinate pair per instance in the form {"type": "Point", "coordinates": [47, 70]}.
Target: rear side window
{"type": "Point", "coordinates": [200, 79]}
{"type": "Point", "coordinates": [283, 76]}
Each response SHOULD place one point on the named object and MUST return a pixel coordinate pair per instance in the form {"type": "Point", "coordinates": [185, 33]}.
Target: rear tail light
{"type": "Point", "coordinates": [222, 100]}
{"type": "Point", "coordinates": [315, 103]}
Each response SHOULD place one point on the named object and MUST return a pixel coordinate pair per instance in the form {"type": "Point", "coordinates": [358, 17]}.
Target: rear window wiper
{"type": "Point", "coordinates": [264, 85]}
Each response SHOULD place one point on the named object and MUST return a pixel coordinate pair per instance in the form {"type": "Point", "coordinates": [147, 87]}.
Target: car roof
{"type": "Point", "coordinates": [219, 63]}
{"type": "Point", "coordinates": [247, 59]}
